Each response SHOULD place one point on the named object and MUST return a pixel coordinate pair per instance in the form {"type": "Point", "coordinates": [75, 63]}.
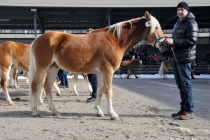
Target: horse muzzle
{"type": "Point", "coordinates": [162, 46]}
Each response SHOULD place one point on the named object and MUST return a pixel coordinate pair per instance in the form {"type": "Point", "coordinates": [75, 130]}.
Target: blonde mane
{"type": "Point", "coordinates": [153, 22]}
{"type": "Point", "coordinates": [116, 28]}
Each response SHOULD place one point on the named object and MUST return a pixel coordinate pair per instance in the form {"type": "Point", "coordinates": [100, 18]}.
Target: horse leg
{"type": "Point", "coordinates": [75, 84]}
{"type": "Point", "coordinates": [15, 77]}
{"type": "Point", "coordinates": [164, 71]}
{"type": "Point", "coordinates": [58, 92]}
{"type": "Point", "coordinates": [42, 90]}
{"type": "Point", "coordinates": [100, 91]}
{"type": "Point", "coordinates": [27, 78]}
{"type": "Point", "coordinates": [135, 74]}
{"type": "Point", "coordinates": [4, 78]}
{"type": "Point", "coordinates": [108, 92]}
{"type": "Point", "coordinates": [12, 79]}
{"type": "Point", "coordinates": [41, 93]}
{"type": "Point", "coordinates": [89, 85]}
{"type": "Point", "coordinates": [129, 73]}
{"type": "Point", "coordinates": [107, 89]}
{"type": "Point", "coordinates": [118, 72]}
{"type": "Point", "coordinates": [35, 82]}
{"type": "Point", "coordinates": [50, 79]}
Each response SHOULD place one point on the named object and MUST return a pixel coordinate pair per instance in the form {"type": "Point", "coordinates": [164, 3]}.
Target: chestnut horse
{"type": "Point", "coordinates": [14, 56]}
{"type": "Point", "coordinates": [165, 65]}
{"type": "Point", "coordinates": [129, 65]}
{"type": "Point", "coordinates": [99, 51]}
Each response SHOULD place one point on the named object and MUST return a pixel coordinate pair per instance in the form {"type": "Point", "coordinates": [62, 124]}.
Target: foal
{"type": "Point", "coordinates": [99, 51]}
{"type": "Point", "coordinates": [129, 65]}
{"type": "Point", "coordinates": [165, 65]}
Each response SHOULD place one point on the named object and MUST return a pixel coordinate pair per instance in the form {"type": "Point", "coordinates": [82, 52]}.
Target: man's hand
{"type": "Point", "coordinates": [169, 41]}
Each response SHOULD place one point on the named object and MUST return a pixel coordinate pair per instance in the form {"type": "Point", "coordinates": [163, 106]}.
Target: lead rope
{"type": "Point", "coordinates": [180, 71]}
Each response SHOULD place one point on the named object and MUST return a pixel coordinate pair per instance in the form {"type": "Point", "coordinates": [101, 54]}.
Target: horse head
{"type": "Point", "coordinates": [137, 62]}
{"type": "Point", "coordinates": [155, 35]}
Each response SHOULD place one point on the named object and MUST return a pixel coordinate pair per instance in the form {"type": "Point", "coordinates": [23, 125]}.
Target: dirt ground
{"type": "Point", "coordinates": [138, 119]}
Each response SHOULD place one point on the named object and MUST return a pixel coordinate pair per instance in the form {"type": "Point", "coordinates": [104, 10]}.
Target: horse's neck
{"type": "Point", "coordinates": [129, 39]}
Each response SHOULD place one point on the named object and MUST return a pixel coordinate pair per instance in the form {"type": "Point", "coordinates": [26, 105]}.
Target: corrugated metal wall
{"type": "Point", "coordinates": [21, 40]}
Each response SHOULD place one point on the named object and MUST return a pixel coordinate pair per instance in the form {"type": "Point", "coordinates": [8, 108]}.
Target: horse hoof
{"type": "Point", "coordinates": [36, 116]}
{"type": "Point", "coordinates": [100, 115]}
{"type": "Point", "coordinates": [11, 103]}
{"type": "Point", "coordinates": [115, 118]}
{"type": "Point", "coordinates": [76, 94]}
{"type": "Point", "coordinates": [57, 115]}
{"type": "Point", "coordinates": [58, 94]}
{"type": "Point", "coordinates": [137, 77]}
{"type": "Point", "coordinates": [17, 87]}
{"type": "Point", "coordinates": [42, 103]}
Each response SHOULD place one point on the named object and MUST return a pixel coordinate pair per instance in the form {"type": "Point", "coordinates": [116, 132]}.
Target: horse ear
{"type": "Point", "coordinates": [147, 16]}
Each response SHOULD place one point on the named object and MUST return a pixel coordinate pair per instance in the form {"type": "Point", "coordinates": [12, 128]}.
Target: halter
{"type": "Point", "coordinates": [159, 41]}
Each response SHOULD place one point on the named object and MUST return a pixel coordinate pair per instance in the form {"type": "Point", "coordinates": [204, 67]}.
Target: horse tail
{"type": "Point", "coordinates": [31, 70]}
{"type": "Point", "coordinates": [161, 69]}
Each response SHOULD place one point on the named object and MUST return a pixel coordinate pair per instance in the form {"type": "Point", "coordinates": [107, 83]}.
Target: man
{"type": "Point", "coordinates": [183, 50]}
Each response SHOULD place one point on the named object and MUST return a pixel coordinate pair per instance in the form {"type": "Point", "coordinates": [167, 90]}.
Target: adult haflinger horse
{"type": "Point", "coordinates": [100, 51]}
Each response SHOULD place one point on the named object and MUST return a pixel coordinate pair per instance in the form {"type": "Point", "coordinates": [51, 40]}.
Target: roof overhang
{"type": "Point", "coordinates": [102, 3]}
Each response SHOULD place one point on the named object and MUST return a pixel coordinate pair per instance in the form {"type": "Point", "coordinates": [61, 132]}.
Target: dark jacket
{"type": "Point", "coordinates": [185, 35]}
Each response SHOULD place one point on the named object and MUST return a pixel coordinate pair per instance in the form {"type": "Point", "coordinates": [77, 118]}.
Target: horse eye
{"type": "Point", "coordinates": [156, 28]}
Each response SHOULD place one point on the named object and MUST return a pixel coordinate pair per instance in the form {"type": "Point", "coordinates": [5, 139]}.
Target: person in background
{"type": "Point", "coordinates": [64, 80]}
{"type": "Point", "coordinates": [155, 59]}
{"type": "Point", "coordinates": [183, 50]}
{"type": "Point", "coordinates": [149, 59]}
